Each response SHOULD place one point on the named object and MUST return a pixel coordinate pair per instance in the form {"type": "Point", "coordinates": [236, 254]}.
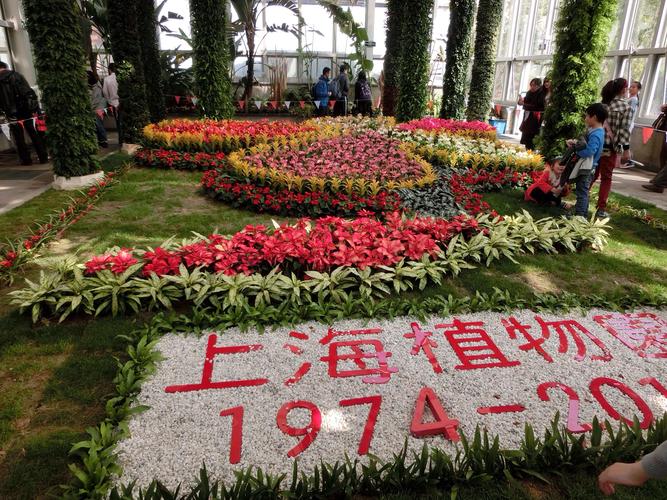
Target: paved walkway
{"type": "Point", "coordinates": [629, 183]}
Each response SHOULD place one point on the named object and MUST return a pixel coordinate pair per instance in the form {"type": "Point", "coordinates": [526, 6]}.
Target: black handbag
{"type": "Point", "coordinates": [660, 122]}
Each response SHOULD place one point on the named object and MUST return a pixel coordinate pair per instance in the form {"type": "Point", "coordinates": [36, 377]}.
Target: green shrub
{"type": "Point", "coordinates": [489, 15]}
{"type": "Point", "coordinates": [414, 63]}
{"type": "Point", "coordinates": [126, 51]}
{"type": "Point", "coordinates": [582, 34]}
{"type": "Point", "coordinates": [150, 56]}
{"type": "Point", "coordinates": [55, 33]}
{"type": "Point", "coordinates": [210, 54]}
{"type": "Point", "coordinates": [462, 14]}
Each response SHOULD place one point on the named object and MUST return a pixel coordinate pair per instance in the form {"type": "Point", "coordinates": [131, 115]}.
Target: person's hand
{"type": "Point", "coordinates": [626, 156]}
{"type": "Point", "coordinates": [619, 473]}
{"type": "Point", "coordinates": [520, 101]}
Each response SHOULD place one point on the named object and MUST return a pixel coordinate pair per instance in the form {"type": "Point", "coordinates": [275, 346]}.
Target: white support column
{"type": "Point", "coordinates": [370, 27]}
{"type": "Point", "coordinates": [19, 42]}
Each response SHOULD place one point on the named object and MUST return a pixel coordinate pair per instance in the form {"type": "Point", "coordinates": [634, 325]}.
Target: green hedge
{"type": "Point", "coordinates": [210, 54]}
{"type": "Point", "coordinates": [582, 34]}
{"type": "Point", "coordinates": [55, 33]}
{"type": "Point", "coordinates": [461, 16]}
{"type": "Point", "coordinates": [126, 51]}
{"type": "Point", "coordinates": [489, 16]}
{"type": "Point", "coordinates": [392, 57]}
{"type": "Point", "coordinates": [414, 63]}
{"type": "Point", "coordinates": [150, 56]}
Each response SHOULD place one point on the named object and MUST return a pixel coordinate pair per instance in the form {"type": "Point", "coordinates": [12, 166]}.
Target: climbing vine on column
{"type": "Point", "coordinates": [462, 14]}
{"type": "Point", "coordinates": [489, 16]}
{"type": "Point", "coordinates": [392, 57]}
{"type": "Point", "coordinates": [60, 62]}
{"type": "Point", "coordinates": [150, 56]}
{"type": "Point", "coordinates": [414, 63]}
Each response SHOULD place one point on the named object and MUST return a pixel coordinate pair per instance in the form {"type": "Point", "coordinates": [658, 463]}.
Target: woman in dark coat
{"type": "Point", "coordinates": [533, 105]}
{"type": "Point", "coordinates": [363, 95]}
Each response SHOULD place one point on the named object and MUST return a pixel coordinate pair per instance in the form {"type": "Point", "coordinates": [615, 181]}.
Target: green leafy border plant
{"type": "Point", "coordinates": [67, 290]}
{"type": "Point", "coordinates": [462, 15]}
{"type": "Point", "coordinates": [55, 33]}
{"type": "Point", "coordinates": [21, 251]}
{"type": "Point", "coordinates": [479, 459]}
{"type": "Point", "coordinates": [489, 16]}
{"type": "Point", "coordinates": [413, 73]}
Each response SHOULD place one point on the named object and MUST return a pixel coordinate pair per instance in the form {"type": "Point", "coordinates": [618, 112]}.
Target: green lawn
{"type": "Point", "coordinates": [54, 379]}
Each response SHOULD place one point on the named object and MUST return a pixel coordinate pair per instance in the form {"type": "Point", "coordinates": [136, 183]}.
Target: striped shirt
{"type": "Point", "coordinates": [619, 121]}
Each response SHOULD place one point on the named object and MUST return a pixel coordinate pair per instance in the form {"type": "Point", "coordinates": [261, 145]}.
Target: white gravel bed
{"type": "Point", "coordinates": [180, 431]}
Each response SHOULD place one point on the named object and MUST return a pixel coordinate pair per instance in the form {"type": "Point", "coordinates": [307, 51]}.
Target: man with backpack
{"type": "Point", "coordinates": [19, 104]}
{"type": "Point", "coordinates": [339, 88]}
{"type": "Point", "coordinates": [321, 92]}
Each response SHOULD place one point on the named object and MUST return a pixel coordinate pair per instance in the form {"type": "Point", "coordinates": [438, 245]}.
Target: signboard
{"type": "Point", "coordinates": [233, 399]}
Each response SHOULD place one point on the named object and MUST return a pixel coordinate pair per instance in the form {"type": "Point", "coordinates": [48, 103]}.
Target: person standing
{"type": "Point", "coordinates": [321, 92]}
{"type": "Point", "coordinates": [98, 104]}
{"type": "Point", "coordinates": [633, 101]}
{"type": "Point", "coordinates": [340, 88]}
{"type": "Point", "coordinates": [363, 95]}
{"type": "Point", "coordinates": [110, 92]}
{"type": "Point", "coordinates": [18, 101]}
{"type": "Point", "coordinates": [617, 139]}
{"type": "Point", "coordinates": [533, 105]}
{"type": "Point", "coordinates": [659, 182]}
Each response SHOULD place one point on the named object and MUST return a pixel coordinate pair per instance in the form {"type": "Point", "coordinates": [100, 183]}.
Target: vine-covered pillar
{"type": "Point", "coordinates": [126, 51]}
{"type": "Point", "coordinates": [414, 63]}
{"type": "Point", "coordinates": [55, 32]}
{"type": "Point", "coordinates": [392, 57]}
{"type": "Point", "coordinates": [459, 34]}
{"type": "Point", "coordinates": [582, 33]}
{"type": "Point", "coordinates": [150, 56]}
{"type": "Point", "coordinates": [210, 54]}
{"type": "Point", "coordinates": [489, 16]}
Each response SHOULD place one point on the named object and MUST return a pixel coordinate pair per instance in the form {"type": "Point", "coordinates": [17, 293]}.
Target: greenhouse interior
{"type": "Point", "coordinates": [212, 212]}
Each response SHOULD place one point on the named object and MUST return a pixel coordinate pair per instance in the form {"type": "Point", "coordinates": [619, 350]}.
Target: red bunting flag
{"type": "Point", "coordinates": [273, 104]}
{"type": "Point", "coordinates": [429, 104]}
{"type": "Point", "coordinates": [242, 104]}
{"type": "Point", "coordinates": [332, 103]}
{"type": "Point", "coordinates": [498, 109]}
{"type": "Point", "coordinates": [538, 114]}
{"type": "Point", "coordinates": [177, 98]}
{"type": "Point", "coordinates": [302, 104]}
{"type": "Point", "coordinates": [647, 133]}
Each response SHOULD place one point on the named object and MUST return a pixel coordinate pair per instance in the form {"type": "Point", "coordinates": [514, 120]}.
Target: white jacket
{"type": "Point", "coordinates": [110, 89]}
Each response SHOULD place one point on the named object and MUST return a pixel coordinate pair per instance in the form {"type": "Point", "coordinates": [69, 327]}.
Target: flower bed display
{"type": "Point", "coordinates": [437, 126]}
{"type": "Point", "coordinates": [167, 158]}
{"type": "Point", "coordinates": [419, 252]}
{"type": "Point", "coordinates": [217, 136]}
{"type": "Point", "coordinates": [339, 175]}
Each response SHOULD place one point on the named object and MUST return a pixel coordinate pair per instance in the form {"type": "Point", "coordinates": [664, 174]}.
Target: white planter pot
{"type": "Point", "coordinates": [74, 183]}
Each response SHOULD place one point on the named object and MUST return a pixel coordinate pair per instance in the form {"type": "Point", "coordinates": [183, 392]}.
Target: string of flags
{"type": "Point", "coordinates": [259, 104]}
{"type": "Point", "coordinates": [38, 122]}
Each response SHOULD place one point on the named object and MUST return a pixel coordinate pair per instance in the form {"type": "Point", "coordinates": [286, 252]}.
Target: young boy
{"type": "Point", "coordinates": [596, 115]}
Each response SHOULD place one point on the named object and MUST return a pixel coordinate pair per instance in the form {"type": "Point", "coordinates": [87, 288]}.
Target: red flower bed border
{"type": "Point", "coordinates": [243, 194]}
{"type": "Point", "coordinates": [19, 252]}
{"type": "Point", "coordinates": [167, 158]}
{"type": "Point", "coordinates": [319, 245]}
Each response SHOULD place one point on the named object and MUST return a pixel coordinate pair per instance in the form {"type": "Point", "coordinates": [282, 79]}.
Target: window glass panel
{"type": "Point", "coordinates": [377, 67]}
{"type": "Point", "coordinates": [657, 95]}
{"type": "Point", "coordinates": [289, 61]}
{"type": "Point", "coordinates": [380, 31]}
{"type": "Point", "coordinates": [541, 30]}
{"type": "Point", "coordinates": [617, 27]}
{"type": "Point", "coordinates": [522, 27]}
{"type": "Point", "coordinates": [499, 81]}
{"type": "Point", "coordinates": [178, 7]}
{"type": "Point", "coordinates": [517, 87]}
{"type": "Point", "coordinates": [319, 64]}
{"type": "Point", "coordinates": [646, 23]}
{"type": "Point", "coordinates": [637, 68]}
{"type": "Point", "coordinates": [343, 42]}
{"type": "Point", "coordinates": [607, 69]}
{"type": "Point", "coordinates": [505, 39]}
{"type": "Point", "coordinates": [440, 25]}
{"type": "Point", "coordinates": [278, 41]}
{"type": "Point", "coordinates": [318, 19]}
